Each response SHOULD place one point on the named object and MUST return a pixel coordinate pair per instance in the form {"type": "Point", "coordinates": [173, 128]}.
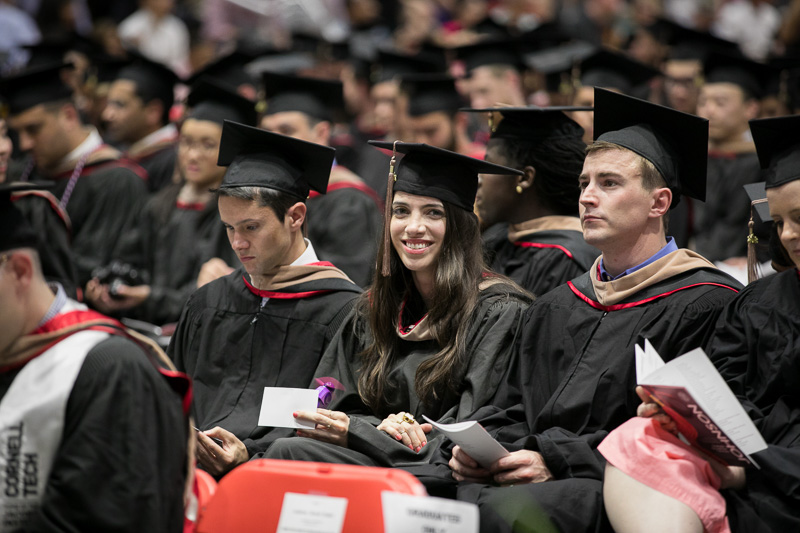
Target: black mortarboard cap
{"type": "Point", "coordinates": [35, 86]}
{"type": "Point", "coordinates": [534, 124]}
{"type": "Point", "coordinates": [148, 73]}
{"type": "Point", "coordinates": [322, 49]}
{"type": "Point", "coordinates": [53, 49]}
{"type": "Point", "coordinates": [258, 158]}
{"type": "Point", "coordinates": [228, 69]}
{"type": "Point", "coordinates": [612, 70]}
{"type": "Point", "coordinates": [688, 43]}
{"type": "Point", "coordinates": [212, 101]}
{"type": "Point", "coordinates": [543, 37]}
{"type": "Point", "coordinates": [15, 229]}
{"type": "Point", "coordinates": [738, 70]}
{"type": "Point", "coordinates": [428, 93]}
{"type": "Point", "coordinates": [778, 148]}
{"type": "Point", "coordinates": [558, 64]}
{"type": "Point", "coordinates": [429, 171]}
{"type": "Point", "coordinates": [391, 65]}
{"type": "Point", "coordinates": [758, 199]}
{"type": "Point", "coordinates": [676, 143]}
{"type": "Point", "coordinates": [490, 27]}
{"type": "Point", "coordinates": [318, 98]}
{"type": "Point", "coordinates": [492, 51]}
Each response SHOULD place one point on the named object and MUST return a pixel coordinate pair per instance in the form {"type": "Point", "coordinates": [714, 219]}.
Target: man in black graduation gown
{"type": "Point", "coordinates": [268, 323]}
{"type": "Point", "coordinates": [573, 378]}
{"type": "Point", "coordinates": [543, 246]}
{"type": "Point", "coordinates": [93, 426]}
{"type": "Point", "coordinates": [433, 117]}
{"type": "Point", "coordinates": [728, 99]}
{"type": "Point", "coordinates": [53, 232]}
{"type": "Point", "coordinates": [137, 118]}
{"type": "Point", "coordinates": [99, 192]}
{"type": "Point", "coordinates": [179, 228]}
{"type": "Point", "coordinates": [343, 224]}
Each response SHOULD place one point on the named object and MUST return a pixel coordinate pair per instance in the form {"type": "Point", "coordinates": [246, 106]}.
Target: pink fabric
{"type": "Point", "coordinates": [643, 450]}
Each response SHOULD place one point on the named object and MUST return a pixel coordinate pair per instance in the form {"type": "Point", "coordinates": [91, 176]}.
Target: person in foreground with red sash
{"type": "Point", "coordinates": [572, 380]}
{"type": "Point", "coordinates": [94, 430]}
{"type": "Point", "coordinates": [267, 323]}
{"type": "Point", "coordinates": [756, 348]}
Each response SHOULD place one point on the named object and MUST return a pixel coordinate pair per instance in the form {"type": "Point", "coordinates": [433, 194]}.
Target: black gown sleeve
{"type": "Point", "coordinates": [121, 465]}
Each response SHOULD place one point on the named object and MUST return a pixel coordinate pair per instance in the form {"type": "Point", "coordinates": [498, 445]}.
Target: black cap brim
{"type": "Point", "coordinates": [318, 98]}
{"type": "Point", "coordinates": [212, 101]}
{"type": "Point", "coordinates": [258, 158]}
{"type": "Point", "coordinates": [778, 148]}
{"type": "Point", "coordinates": [675, 142]}
{"type": "Point", "coordinates": [758, 193]}
{"type": "Point", "coordinates": [430, 171]}
{"type": "Point", "coordinates": [534, 123]}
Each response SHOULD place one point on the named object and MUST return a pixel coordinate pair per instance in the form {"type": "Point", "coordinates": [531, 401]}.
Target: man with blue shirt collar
{"type": "Point", "coordinates": [572, 379]}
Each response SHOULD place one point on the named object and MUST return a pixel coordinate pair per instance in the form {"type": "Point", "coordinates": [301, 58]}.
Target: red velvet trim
{"type": "Point", "coordinates": [405, 331]}
{"type": "Point", "coordinates": [719, 154]}
{"type": "Point", "coordinates": [363, 187]}
{"type": "Point", "coordinates": [542, 245]}
{"type": "Point", "coordinates": [617, 307]}
{"type": "Point", "coordinates": [63, 321]}
{"type": "Point", "coordinates": [196, 206]}
{"type": "Point", "coordinates": [188, 393]}
{"type": "Point", "coordinates": [285, 295]}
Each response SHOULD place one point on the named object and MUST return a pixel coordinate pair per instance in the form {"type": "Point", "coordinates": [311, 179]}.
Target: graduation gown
{"type": "Point", "coordinates": [233, 343]}
{"type": "Point", "coordinates": [102, 207]}
{"type": "Point", "coordinates": [122, 460]}
{"type": "Point", "coordinates": [721, 221]}
{"type": "Point", "coordinates": [573, 378]}
{"type": "Point", "coordinates": [170, 241]}
{"type": "Point", "coordinates": [543, 253]}
{"type": "Point", "coordinates": [495, 327]}
{"type": "Point", "coordinates": [344, 223]}
{"type": "Point", "coordinates": [157, 158]}
{"type": "Point", "coordinates": [756, 348]}
{"type": "Point", "coordinates": [54, 232]}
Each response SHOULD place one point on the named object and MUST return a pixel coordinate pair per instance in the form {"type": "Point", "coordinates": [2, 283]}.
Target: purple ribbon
{"type": "Point", "coordinates": [325, 391]}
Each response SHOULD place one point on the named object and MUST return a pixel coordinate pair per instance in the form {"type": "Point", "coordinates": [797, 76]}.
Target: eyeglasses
{"type": "Point", "coordinates": [205, 146]}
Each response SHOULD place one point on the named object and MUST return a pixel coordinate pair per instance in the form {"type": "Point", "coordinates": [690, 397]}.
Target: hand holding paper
{"type": "Point", "coordinates": [278, 404]}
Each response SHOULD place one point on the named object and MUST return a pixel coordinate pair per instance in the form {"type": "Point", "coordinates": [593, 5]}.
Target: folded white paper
{"type": "Point", "coordinates": [473, 439]}
{"type": "Point", "coordinates": [278, 404]}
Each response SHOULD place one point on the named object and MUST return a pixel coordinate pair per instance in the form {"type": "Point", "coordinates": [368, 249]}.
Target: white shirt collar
{"type": "Point", "coordinates": [308, 256]}
{"type": "Point", "coordinates": [89, 145]}
{"type": "Point", "coordinates": [164, 133]}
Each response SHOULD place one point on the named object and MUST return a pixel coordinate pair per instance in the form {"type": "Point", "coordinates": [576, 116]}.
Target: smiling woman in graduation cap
{"type": "Point", "coordinates": [433, 334]}
{"type": "Point", "coordinates": [756, 349]}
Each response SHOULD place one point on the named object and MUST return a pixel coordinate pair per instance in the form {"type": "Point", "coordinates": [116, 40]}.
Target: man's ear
{"type": "Point", "coordinates": [153, 111]}
{"type": "Point", "coordinates": [22, 268]}
{"type": "Point", "coordinates": [296, 216]}
{"type": "Point", "coordinates": [662, 200]}
{"type": "Point", "coordinates": [322, 133]}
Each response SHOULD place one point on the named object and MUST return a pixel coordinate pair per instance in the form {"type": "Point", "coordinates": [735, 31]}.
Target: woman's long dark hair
{"type": "Point", "coordinates": [458, 272]}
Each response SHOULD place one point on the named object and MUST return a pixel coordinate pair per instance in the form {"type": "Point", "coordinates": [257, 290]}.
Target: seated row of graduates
{"type": "Point", "coordinates": [440, 334]}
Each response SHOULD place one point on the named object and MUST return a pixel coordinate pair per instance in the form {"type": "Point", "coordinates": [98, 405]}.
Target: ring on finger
{"type": "Point", "coordinates": [408, 418]}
